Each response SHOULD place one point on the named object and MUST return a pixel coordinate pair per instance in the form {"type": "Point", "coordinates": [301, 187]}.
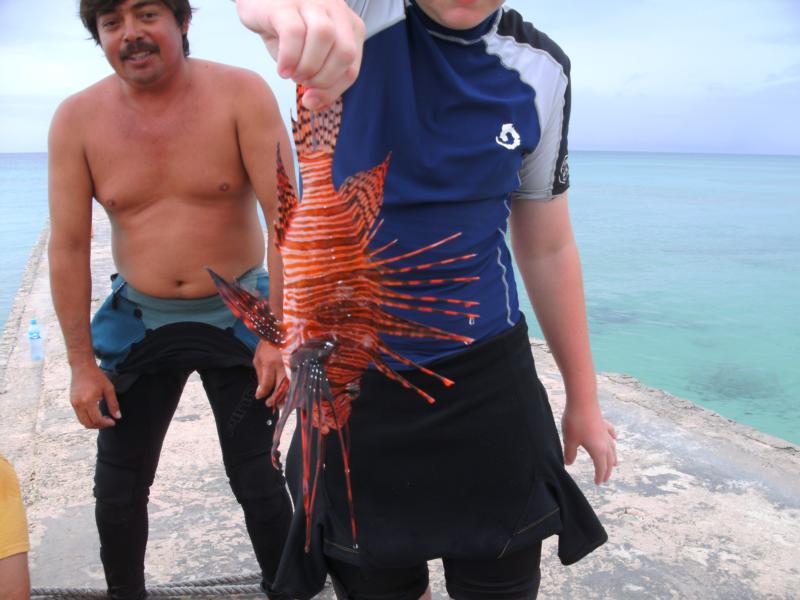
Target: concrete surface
{"type": "Point", "coordinates": [700, 507]}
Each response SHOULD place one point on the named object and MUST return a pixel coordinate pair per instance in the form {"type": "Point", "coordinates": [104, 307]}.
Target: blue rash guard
{"type": "Point", "coordinates": [473, 119]}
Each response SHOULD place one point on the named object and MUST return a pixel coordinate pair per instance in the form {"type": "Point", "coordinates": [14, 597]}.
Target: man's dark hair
{"type": "Point", "coordinates": [91, 9]}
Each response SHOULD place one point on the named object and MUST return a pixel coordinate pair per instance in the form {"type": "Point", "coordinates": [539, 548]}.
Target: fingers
{"type": "Point", "coordinates": [609, 461]}
{"type": "Point", "coordinates": [340, 65]}
{"type": "Point", "coordinates": [90, 416]}
{"type": "Point", "coordinates": [272, 387]}
{"type": "Point", "coordinates": [266, 382]}
{"type": "Point", "coordinates": [278, 396]}
{"type": "Point", "coordinates": [570, 451]}
{"type": "Point", "coordinates": [602, 449]}
{"type": "Point", "coordinates": [600, 468]}
{"type": "Point", "coordinates": [110, 395]}
{"type": "Point", "coordinates": [320, 37]}
{"type": "Point", "coordinates": [317, 43]}
{"type": "Point", "coordinates": [89, 388]}
{"type": "Point", "coordinates": [273, 397]}
{"type": "Point", "coordinates": [286, 38]}
{"type": "Point", "coordinates": [613, 452]}
{"type": "Point", "coordinates": [269, 368]}
{"type": "Point", "coordinates": [597, 436]}
{"type": "Point", "coordinates": [604, 464]}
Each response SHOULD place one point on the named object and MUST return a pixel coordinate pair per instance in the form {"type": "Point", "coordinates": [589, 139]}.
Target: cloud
{"type": "Point", "coordinates": [755, 122]}
{"type": "Point", "coordinates": [707, 75]}
{"type": "Point", "coordinates": [676, 48]}
{"type": "Point", "coordinates": [789, 75]}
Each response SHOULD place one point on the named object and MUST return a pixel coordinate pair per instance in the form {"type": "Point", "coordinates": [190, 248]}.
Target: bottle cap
{"type": "Point", "coordinates": [33, 321]}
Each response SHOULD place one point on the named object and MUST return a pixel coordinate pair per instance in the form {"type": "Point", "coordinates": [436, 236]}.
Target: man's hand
{"type": "Point", "coordinates": [89, 386]}
{"type": "Point", "coordinates": [269, 370]}
{"type": "Point", "coordinates": [317, 43]}
{"type": "Point", "coordinates": [589, 429]}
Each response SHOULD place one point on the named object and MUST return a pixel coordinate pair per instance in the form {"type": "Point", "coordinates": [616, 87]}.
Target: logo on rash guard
{"type": "Point", "coordinates": [563, 175]}
{"type": "Point", "coordinates": [508, 138]}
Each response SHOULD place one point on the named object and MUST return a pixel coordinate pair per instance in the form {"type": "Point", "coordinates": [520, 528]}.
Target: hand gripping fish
{"type": "Point", "coordinates": [335, 294]}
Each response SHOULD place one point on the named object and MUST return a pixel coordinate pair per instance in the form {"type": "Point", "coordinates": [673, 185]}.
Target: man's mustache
{"type": "Point", "coordinates": [137, 46]}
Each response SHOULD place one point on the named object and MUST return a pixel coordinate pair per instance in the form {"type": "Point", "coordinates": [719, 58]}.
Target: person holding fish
{"type": "Point", "coordinates": [180, 153]}
{"type": "Point", "coordinates": [451, 133]}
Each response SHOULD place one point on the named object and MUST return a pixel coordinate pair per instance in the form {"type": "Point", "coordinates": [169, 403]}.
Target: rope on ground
{"type": "Point", "coordinates": [254, 578]}
{"type": "Point", "coordinates": [216, 586]}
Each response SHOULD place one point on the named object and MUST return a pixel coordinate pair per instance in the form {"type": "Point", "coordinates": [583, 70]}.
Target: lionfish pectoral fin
{"type": "Point", "coordinates": [287, 201]}
{"type": "Point", "coordinates": [406, 361]}
{"type": "Point", "coordinates": [365, 190]}
{"type": "Point", "coordinates": [253, 310]}
{"type": "Point", "coordinates": [392, 324]}
{"type": "Point", "coordinates": [395, 376]}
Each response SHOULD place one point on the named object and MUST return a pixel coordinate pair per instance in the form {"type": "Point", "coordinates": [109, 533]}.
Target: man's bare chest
{"type": "Point", "coordinates": [135, 162]}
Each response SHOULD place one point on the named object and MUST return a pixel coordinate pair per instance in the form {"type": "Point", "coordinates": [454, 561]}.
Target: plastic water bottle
{"type": "Point", "coordinates": [35, 341]}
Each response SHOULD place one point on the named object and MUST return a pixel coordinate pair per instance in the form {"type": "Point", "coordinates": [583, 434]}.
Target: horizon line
{"type": "Point", "coordinates": [578, 150]}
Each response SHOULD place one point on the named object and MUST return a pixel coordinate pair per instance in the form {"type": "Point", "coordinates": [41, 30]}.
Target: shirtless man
{"type": "Point", "coordinates": [177, 151]}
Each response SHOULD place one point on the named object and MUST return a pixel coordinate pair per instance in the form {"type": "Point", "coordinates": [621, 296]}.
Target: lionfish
{"type": "Point", "coordinates": [335, 293]}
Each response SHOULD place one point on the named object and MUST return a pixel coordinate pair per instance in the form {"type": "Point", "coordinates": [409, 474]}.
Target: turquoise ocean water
{"type": "Point", "coordinates": [23, 211]}
{"type": "Point", "coordinates": [691, 263]}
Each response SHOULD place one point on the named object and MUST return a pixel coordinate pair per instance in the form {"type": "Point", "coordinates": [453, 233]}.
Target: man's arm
{"type": "Point", "coordinates": [547, 257]}
{"type": "Point", "coordinates": [70, 197]}
{"type": "Point", "coordinates": [261, 132]}
{"type": "Point", "coordinates": [317, 43]}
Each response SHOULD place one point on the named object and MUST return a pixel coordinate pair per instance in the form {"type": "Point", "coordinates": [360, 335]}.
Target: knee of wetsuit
{"type": "Point", "coordinates": [256, 479]}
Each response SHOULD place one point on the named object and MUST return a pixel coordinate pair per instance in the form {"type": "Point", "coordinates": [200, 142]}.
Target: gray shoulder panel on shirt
{"type": "Point", "coordinates": [378, 14]}
{"type": "Point", "coordinates": [543, 66]}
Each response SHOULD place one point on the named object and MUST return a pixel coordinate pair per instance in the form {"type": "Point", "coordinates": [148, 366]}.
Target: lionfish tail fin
{"type": "Point", "coordinates": [316, 131]}
{"type": "Point", "coordinates": [287, 201]}
{"type": "Point", "coordinates": [252, 309]}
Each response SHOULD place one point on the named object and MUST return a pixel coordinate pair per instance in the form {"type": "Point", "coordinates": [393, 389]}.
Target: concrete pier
{"type": "Point", "coordinates": [700, 507]}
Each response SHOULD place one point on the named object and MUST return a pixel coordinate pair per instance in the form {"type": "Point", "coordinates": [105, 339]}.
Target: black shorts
{"type": "Point", "coordinates": [477, 476]}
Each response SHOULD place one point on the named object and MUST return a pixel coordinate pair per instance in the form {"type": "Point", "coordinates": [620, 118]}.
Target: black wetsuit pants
{"type": "Point", "coordinates": [127, 457]}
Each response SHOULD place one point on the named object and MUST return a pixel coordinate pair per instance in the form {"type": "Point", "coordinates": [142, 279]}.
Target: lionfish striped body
{"type": "Point", "coordinates": [335, 293]}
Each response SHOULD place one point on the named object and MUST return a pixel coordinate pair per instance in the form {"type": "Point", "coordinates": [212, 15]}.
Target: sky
{"type": "Point", "coordinates": [718, 76]}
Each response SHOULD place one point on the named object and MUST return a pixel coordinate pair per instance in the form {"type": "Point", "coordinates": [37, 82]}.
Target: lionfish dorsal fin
{"type": "Point", "coordinates": [287, 201]}
{"type": "Point", "coordinates": [316, 130]}
{"type": "Point", "coordinates": [365, 190]}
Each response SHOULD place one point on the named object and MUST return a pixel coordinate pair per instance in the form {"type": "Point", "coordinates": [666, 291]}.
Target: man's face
{"type": "Point", "coordinates": [459, 14]}
{"type": "Point", "coordinates": [141, 40]}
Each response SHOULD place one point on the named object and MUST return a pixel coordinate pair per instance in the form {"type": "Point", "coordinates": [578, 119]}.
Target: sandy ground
{"type": "Point", "coordinates": [700, 507]}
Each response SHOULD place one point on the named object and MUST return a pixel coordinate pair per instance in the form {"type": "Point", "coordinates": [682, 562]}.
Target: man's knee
{"type": "Point", "coordinates": [118, 491]}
